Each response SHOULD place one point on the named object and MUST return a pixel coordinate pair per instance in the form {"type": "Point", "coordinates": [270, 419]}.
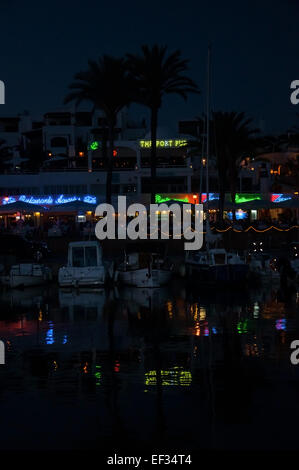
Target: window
{"type": "Point", "coordinates": [83, 257]}
{"type": "Point", "coordinates": [90, 256]}
{"type": "Point", "coordinates": [78, 257]}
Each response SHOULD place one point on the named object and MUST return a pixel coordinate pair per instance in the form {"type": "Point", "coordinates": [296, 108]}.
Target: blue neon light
{"type": "Point", "coordinates": [8, 200]}
{"type": "Point", "coordinates": [50, 334]}
{"type": "Point", "coordinates": [49, 200]}
{"type": "Point", "coordinates": [36, 200]}
{"type": "Point", "coordinates": [90, 199]}
{"type": "Point", "coordinates": [280, 197]}
{"type": "Point", "coordinates": [240, 215]}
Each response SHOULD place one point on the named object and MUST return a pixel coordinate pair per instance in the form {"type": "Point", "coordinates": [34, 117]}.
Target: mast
{"type": "Point", "coordinates": [208, 231]}
{"type": "Point", "coordinates": [208, 122]}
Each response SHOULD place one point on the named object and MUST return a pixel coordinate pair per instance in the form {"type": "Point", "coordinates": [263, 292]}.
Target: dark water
{"type": "Point", "coordinates": [178, 367]}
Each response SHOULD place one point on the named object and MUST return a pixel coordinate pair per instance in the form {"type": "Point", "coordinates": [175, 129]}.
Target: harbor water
{"type": "Point", "coordinates": [173, 368]}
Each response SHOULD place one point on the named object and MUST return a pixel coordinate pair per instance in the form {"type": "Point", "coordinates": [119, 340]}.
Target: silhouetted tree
{"type": "Point", "coordinates": [107, 86]}
{"type": "Point", "coordinates": [231, 138]}
{"type": "Point", "coordinates": [156, 74]}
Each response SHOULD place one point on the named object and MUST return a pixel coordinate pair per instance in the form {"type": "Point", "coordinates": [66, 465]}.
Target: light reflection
{"type": "Point", "coordinates": [40, 315]}
{"type": "Point", "coordinates": [202, 313]}
{"type": "Point", "coordinates": [280, 324]}
{"type": "Point", "coordinates": [242, 326]}
{"type": "Point", "coordinates": [256, 310]}
{"type": "Point", "coordinates": [50, 334]}
{"type": "Point", "coordinates": [98, 375]}
{"type": "Point", "coordinates": [170, 308]}
{"type": "Point", "coordinates": [174, 376]}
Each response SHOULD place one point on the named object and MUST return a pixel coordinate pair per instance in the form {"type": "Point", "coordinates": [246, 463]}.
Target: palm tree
{"type": "Point", "coordinates": [231, 137]}
{"type": "Point", "coordinates": [107, 86]}
{"type": "Point", "coordinates": [156, 74]}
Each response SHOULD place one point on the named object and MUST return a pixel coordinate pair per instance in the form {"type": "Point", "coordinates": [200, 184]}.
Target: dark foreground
{"type": "Point", "coordinates": [175, 368]}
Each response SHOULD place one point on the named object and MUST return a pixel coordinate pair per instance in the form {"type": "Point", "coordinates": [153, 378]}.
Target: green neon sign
{"type": "Point", "coordinates": [95, 145]}
{"type": "Point", "coordinates": [247, 197]}
{"type": "Point", "coordinates": [160, 199]}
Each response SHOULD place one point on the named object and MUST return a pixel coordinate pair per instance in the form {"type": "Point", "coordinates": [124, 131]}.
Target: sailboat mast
{"type": "Point", "coordinates": [208, 124]}
{"type": "Point", "coordinates": [208, 230]}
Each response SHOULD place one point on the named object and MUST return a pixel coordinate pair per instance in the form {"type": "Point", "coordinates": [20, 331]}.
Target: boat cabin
{"type": "Point", "coordinates": [84, 254]}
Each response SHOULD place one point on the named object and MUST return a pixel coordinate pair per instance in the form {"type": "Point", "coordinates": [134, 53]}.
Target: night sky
{"type": "Point", "coordinates": [255, 51]}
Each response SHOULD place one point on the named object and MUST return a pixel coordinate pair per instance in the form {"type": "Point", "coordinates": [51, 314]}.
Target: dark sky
{"type": "Point", "coordinates": [255, 50]}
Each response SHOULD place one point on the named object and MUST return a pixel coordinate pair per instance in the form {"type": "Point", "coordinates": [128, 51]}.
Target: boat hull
{"type": "Point", "coordinates": [80, 277]}
{"type": "Point", "coordinates": [218, 273]}
{"type": "Point", "coordinates": [144, 278]}
{"type": "Point", "coordinates": [28, 275]}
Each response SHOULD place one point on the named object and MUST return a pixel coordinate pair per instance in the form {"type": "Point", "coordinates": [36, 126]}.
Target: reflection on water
{"type": "Point", "coordinates": [176, 366]}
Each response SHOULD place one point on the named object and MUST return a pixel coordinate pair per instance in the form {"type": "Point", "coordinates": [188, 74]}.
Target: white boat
{"type": "Point", "coordinates": [143, 270]}
{"type": "Point", "coordinates": [28, 274]}
{"type": "Point", "coordinates": [84, 267]}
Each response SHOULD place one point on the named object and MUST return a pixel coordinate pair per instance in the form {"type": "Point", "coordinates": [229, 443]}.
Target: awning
{"type": "Point", "coordinates": [21, 206]}
{"type": "Point", "coordinates": [257, 204]}
{"type": "Point", "coordinates": [288, 204]}
{"type": "Point", "coordinates": [73, 206]}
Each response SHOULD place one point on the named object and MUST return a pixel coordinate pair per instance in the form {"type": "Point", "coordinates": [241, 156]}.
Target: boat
{"type": "Point", "coordinates": [238, 268]}
{"type": "Point", "coordinates": [144, 270]}
{"type": "Point", "coordinates": [216, 265]}
{"type": "Point", "coordinates": [264, 269]}
{"type": "Point", "coordinates": [84, 267]}
{"type": "Point", "coordinates": [28, 274]}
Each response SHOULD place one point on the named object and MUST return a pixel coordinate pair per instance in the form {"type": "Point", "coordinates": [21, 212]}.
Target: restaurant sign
{"type": "Point", "coordinates": [172, 143]}
{"type": "Point", "coordinates": [47, 200]}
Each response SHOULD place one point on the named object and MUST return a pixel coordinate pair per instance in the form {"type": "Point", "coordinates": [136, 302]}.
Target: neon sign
{"type": "Point", "coordinates": [95, 145]}
{"type": "Point", "coordinates": [188, 198]}
{"type": "Point", "coordinates": [163, 143]}
{"type": "Point", "coordinates": [159, 199]}
{"type": "Point", "coordinates": [212, 197]}
{"type": "Point", "coordinates": [8, 200]}
{"type": "Point", "coordinates": [34, 200]}
{"type": "Point", "coordinates": [280, 197]}
{"type": "Point", "coordinates": [48, 200]}
{"type": "Point", "coordinates": [246, 197]}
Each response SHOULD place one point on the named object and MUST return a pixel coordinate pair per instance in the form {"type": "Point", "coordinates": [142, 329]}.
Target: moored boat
{"type": "Point", "coordinates": [216, 265]}
{"type": "Point", "coordinates": [144, 270]}
{"type": "Point", "coordinates": [28, 274]}
{"type": "Point", "coordinates": [84, 267]}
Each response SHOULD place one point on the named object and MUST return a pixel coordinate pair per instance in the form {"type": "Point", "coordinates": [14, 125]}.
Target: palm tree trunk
{"type": "Point", "coordinates": [233, 186]}
{"type": "Point", "coordinates": [154, 124]}
{"type": "Point", "coordinates": [110, 164]}
{"type": "Point", "coordinates": [233, 197]}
